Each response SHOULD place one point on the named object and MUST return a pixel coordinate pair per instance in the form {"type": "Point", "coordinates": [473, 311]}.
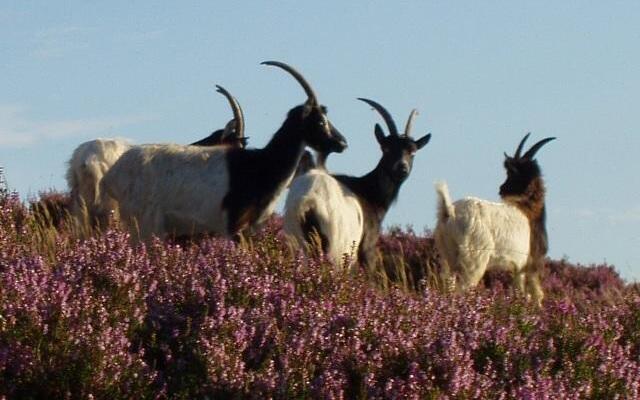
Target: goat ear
{"type": "Point", "coordinates": [420, 143]}
{"type": "Point", "coordinates": [379, 134]}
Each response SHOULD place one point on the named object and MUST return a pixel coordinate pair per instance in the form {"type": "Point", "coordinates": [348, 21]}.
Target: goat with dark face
{"type": "Point", "coordinates": [171, 190]}
{"type": "Point", "coordinates": [523, 173]}
{"type": "Point", "coordinates": [474, 235]}
{"type": "Point", "coordinates": [524, 188]}
{"type": "Point", "coordinates": [233, 133]}
{"type": "Point", "coordinates": [346, 212]}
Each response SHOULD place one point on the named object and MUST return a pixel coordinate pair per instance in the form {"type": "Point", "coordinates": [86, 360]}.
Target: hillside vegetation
{"type": "Point", "coordinates": [98, 318]}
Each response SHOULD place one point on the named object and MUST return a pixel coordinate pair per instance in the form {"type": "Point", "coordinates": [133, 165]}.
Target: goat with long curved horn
{"type": "Point", "coordinates": [521, 145]}
{"type": "Point", "coordinates": [388, 119]}
{"type": "Point", "coordinates": [474, 235]}
{"type": "Point", "coordinates": [345, 212]}
{"type": "Point", "coordinates": [218, 190]}
{"type": "Point", "coordinates": [233, 133]}
{"type": "Point", "coordinates": [312, 98]}
{"type": "Point", "coordinates": [238, 115]}
{"type": "Point", "coordinates": [534, 149]}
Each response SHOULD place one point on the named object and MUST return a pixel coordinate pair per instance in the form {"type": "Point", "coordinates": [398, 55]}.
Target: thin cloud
{"type": "Point", "coordinates": [143, 37]}
{"type": "Point", "coordinates": [585, 213]}
{"type": "Point", "coordinates": [16, 129]}
{"type": "Point", "coordinates": [57, 32]}
{"type": "Point", "coordinates": [629, 214]}
{"type": "Point", "coordinates": [58, 41]}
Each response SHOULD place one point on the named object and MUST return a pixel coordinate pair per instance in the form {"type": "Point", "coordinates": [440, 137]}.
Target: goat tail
{"type": "Point", "coordinates": [445, 206]}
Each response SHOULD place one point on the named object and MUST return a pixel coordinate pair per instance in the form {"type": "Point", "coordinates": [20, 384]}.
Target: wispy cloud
{"type": "Point", "coordinates": [61, 41]}
{"type": "Point", "coordinates": [142, 37]}
{"type": "Point", "coordinates": [16, 129]}
{"type": "Point", "coordinates": [628, 214]}
{"type": "Point", "coordinates": [58, 41]}
{"type": "Point", "coordinates": [585, 213]}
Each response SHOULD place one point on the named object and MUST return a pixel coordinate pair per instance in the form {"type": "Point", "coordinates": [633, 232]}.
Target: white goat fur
{"type": "Point", "coordinates": [474, 235]}
{"type": "Point", "coordinates": [337, 209]}
{"type": "Point", "coordinates": [170, 190]}
{"type": "Point", "coordinates": [89, 163]}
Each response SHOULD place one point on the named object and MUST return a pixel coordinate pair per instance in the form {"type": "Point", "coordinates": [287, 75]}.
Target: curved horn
{"type": "Point", "coordinates": [312, 99]}
{"type": "Point", "coordinates": [238, 115]}
{"type": "Point", "coordinates": [391, 125]}
{"type": "Point", "coordinates": [519, 149]}
{"type": "Point", "coordinates": [534, 149]}
{"type": "Point", "coordinates": [409, 126]}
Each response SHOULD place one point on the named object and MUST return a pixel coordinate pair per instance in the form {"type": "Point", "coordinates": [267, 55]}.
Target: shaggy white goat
{"type": "Point", "coordinates": [89, 163]}
{"type": "Point", "coordinates": [172, 190]}
{"type": "Point", "coordinates": [320, 212]}
{"type": "Point", "coordinates": [473, 235]}
{"type": "Point", "coordinates": [344, 213]}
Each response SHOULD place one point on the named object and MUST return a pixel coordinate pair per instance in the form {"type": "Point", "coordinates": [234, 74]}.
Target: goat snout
{"type": "Point", "coordinates": [402, 170]}
{"type": "Point", "coordinates": [339, 142]}
{"type": "Point", "coordinates": [340, 145]}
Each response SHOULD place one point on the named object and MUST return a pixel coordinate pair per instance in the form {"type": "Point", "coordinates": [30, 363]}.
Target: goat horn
{"type": "Point", "coordinates": [519, 149]}
{"type": "Point", "coordinates": [238, 115]}
{"type": "Point", "coordinates": [534, 149]}
{"type": "Point", "coordinates": [312, 99]}
{"type": "Point", "coordinates": [409, 126]}
{"type": "Point", "coordinates": [391, 125]}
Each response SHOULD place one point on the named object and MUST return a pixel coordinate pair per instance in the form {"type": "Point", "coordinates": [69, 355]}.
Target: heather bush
{"type": "Point", "coordinates": [99, 318]}
{"type": "Point", "coordinates": [409, 260]}
{"type": "Point", "coordinates": [51, 209]}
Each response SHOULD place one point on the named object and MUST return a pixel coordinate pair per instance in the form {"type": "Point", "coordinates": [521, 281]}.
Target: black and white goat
{"type": "Point", "coordinates": [91, 160]}
{"type": "Point", "coordinates": [474, 235]}
{"type": "Point", "coordinates": [172, 190]}
{"type": "Point", "coordinates": [344, 212]}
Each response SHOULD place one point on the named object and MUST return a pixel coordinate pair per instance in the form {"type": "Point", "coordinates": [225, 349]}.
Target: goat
{"type": "Point", "coordinates": [89, 163]}
{"type": "Point", "coordinates": [91, 160]}
{"type": "Point", "coordinates": [474, 235]}
{"type": "Point", "coordinates": [189, 191]}
{"type": "Point", "coordinates": [233, 132]}
{"type": "Point", "coordinates": [344, 213]}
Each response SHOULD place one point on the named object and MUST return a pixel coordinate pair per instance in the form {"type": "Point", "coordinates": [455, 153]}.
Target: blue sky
{"type": "Point", "coordinates": [482, 74]}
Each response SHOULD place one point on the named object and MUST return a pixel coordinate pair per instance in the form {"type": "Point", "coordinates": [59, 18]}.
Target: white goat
{"type": "Point", "coordinates": [89, 163]}
{"type": "Point", "coordinates": [345, 213]}
{"type": "Point", "coordinates": [320, 212]}
{"type": "Point", "coordinates": [91, 160]}
{"type": "Point", "coordinates": [172, 190]}
{"type": "Point", "coordinates": [473, 235]}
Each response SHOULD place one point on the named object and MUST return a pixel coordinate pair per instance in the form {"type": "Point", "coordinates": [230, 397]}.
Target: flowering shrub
{"type": "Point", "coordinates": [51, 209]}
{"type": "Point", "coordinates": [101, 318]}
{"type": "Point", "coordinates": [410, 259]}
